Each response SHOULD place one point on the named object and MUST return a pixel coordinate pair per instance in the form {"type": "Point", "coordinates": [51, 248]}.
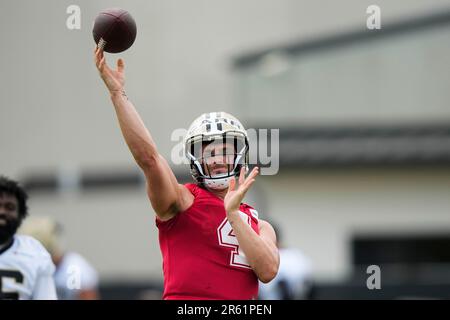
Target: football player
{"type": "Point", "coordinates": [75, 278]}
{"type": "Point", "coordinates": [26, 269]}
{"type": "Point", "coordinates": [213, 245]}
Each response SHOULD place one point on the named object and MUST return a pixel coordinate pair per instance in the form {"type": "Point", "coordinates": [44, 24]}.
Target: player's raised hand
{"type": "Point", "coordinates": [236, 194]}
{"type": "Point", "coordinates": [114, 79]}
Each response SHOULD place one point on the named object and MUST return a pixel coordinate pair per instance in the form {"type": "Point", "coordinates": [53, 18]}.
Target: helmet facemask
{"type": "Point", "coordinates": [215, 160]}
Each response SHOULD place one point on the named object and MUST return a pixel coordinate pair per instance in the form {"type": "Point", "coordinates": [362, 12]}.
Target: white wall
{"type": "Point", "coordinates": [55, 108]}
{"type": "Point", "coordinates": [319, 211]}
{"type": "Point", "coordinates": [396, 80]}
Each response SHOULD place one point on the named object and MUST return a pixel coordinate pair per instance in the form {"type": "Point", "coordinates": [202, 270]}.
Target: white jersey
{"type": "Point", "coordinates": [74, 274]}
{"type": "Point", "coordinates": [26, 271]}
{"type": "Point", "coordinates": [294, 275]}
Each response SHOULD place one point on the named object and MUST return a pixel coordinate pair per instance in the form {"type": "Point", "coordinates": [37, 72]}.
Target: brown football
{"type": "Point", "coordinates": [115, 30]}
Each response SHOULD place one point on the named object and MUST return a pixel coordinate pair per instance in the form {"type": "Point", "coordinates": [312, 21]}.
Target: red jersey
{"type": "Point", "coordinates": [201, 255]}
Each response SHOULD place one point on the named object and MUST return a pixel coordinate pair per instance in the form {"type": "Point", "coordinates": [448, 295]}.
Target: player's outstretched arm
{"type": "Point", "coordinates": [260, 249]}
{"type": "Point", "coordinates": [166, 195]}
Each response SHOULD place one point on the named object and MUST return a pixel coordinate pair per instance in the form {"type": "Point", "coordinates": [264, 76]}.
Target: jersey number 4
{"type": "Point", "coordinates": [227, 238]}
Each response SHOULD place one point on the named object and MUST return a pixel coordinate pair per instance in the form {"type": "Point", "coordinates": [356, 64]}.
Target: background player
{"type": "Point", "coordinates": [213, 245]}
{"type": "Point", "coordinates": [26, 269]}
{"type": "Point", "coordinates": [75, 278]}
{"type": "Point", "coordinates": [294, 280]}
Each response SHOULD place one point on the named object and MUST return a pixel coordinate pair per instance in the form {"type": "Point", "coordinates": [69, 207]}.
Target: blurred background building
{"type": "Point", "coordinates": [364, 119]}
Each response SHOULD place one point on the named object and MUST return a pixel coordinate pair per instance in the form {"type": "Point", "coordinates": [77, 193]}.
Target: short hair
{"type": "Point", "coordinates": [11, 187]}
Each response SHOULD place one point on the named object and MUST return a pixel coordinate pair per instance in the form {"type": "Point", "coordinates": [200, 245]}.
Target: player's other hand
{"type": "Point", "coordinates": [114, 79]}
{"type": "Point", "coordinates": [236, 194]}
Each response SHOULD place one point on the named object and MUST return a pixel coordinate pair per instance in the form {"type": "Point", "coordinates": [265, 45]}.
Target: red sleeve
{"type": "Point", "coordinates": [253, 214]}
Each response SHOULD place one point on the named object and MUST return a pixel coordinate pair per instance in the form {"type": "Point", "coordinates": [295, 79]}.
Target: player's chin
{"type": "Point", "coordinates": [5, 235]}
{"type": "Point", "coordinates": [8, 230]}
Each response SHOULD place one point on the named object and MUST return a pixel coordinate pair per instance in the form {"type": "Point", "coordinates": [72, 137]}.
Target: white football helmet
{"type": "Point", "coordinates": [223, 131]}
{"type": "Point", "coordinates": [46, 231]}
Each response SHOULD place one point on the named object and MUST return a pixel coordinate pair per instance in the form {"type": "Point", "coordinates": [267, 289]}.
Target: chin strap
{"type": "Point", "coordinates": [217, 184]}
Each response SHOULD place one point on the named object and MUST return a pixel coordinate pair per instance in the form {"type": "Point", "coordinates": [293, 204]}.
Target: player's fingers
{"type": "Point", "coordinates": [97, 62]}
{"type": "Point", "coordinates": [100, 52]}
{"type": "Point", "coordinates": [101, 65]}
{"type": "Point", "coordinates": [253, 174]}
{"type": "Point", "coordinates": [97, 57]}
{"type": "Point", "coordinates": [232, 184]}
{"type": "Point", "coordinates": [120, 65]}
{"type": "Point", "coordinates": [242, 175]}
{"type": "Point", "coordinates": [247, 185]}
{"type": "Point", "coordinates": [100, 57]}
{"type": "Point", "coordinates": [250, 179]}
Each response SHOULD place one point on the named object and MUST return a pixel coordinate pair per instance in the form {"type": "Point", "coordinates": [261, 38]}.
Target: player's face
{"type": "Point", "coordinates": [218, 158]}
{"type": "Point", "coordinates": [9, 216]}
